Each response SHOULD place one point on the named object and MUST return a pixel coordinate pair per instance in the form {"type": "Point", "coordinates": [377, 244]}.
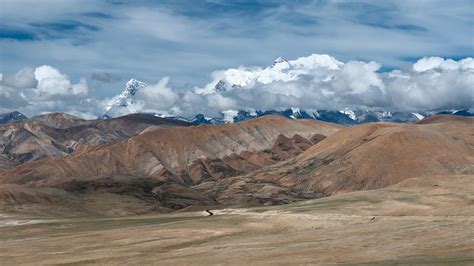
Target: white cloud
{"type": "Point", "coordinates": [360, 77]}
{"type": "Point", "coordinates": [219, 102]}
{"type": "Point", "coordinates": [157, 97]}
{"type": "Point", "coordinates": [280, 71]}
{"type": "Point", "coordinates": [433, 83]}
{"type": "Point", "coordinates": [24, 78]}
{"type": "Point", "coordinates": [45, 89]}
{"type": "Point", "coordinates": [438, 63]}
{"type": "Point", "coordinates": [435, 63]}
{"type": "Point", "coordinates": [51, 81]}
{"type": "Point", "coordinates": [81, 87]}
{"type": "Point", "coordinates": [313, 82]}
{"type": "Point", "coordinates": [229, 115]}
{"type": "Point", "coordinates": [316, 81]}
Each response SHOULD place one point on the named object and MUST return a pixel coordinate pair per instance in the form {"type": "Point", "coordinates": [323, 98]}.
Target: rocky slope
{"type": "Point", "coordinates": [12, 117]}
{"type": "Point", "coordinates": [264, 161]}
{"type": "Point", "coordinates": [174, 149]}
{"type": "Point", "coordinates": [57, 120]}
{"type": "Point", "coordinates": [162, 164]}
{"type": "Point", "coordinates": [5, 163]}
{"type": "Point", "coordinates": [361, 157]}
{"type": "Point", "coordinates": [56, 135]}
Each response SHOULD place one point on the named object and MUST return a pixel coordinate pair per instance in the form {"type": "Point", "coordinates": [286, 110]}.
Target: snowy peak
{"type": "Point", "coordinates": [280, 71]}
{"type": "Point", "coordinates": [11, 117]}
{"type": "Point", "coordinates": [418, 115]}
{"type": "Point", "coordinates": [133, 86]}
{"type": "Point", "coordinates": [220, 86]}
{"type": "Point", "coordinates": [350, 113]}
{"type": "Point", "coordinates": [121, 104]}
{"type": "Point", "coordinates": [279, 60]}
{"type": "Point", "coordinates": [130, 90]}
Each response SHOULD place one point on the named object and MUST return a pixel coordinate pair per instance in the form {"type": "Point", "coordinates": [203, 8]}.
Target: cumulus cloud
{"type": "Point", "coordinates": [322, 82]}
{"type": "Point", "coordinates": [311, 83]}
{"type": "Point", "coordinates": [157, 97]}
{"type": "Point", "coordinates": [51, 81]}
{"type": "Point", "coordinates": [45, 89]}
{"type": "Point", "coordinates": [440, 64]}
{"type": "Point", "coordinates": [433, 84]}
{"type": "Point", "coordinates": [22, 79]}
{"type": "Point", "coordinates": [141, 97]}
{"type": "Point", "coordinates": [219, 102]}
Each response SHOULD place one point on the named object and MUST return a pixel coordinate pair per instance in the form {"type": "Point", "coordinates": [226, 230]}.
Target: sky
{"type": "Point", "coordinates": [74, 55]}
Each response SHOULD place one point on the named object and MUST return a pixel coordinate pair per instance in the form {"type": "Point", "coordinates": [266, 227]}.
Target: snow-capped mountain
{"type": "Point", "coordinates": [278, 61]}
{"type": "Point", "coordinates": [220, 86]}
{"type": "Point", "coordinates": [126, 102]}
{"type": "Point", "coordinates": [123, 103]}
{"type": "Point", "coordinates": [469, 112]}
{"type": "Point", "coordinates": [344, 117]}
{"type": "Point", "coordinates": [281, 70]}
{"type": "Point", "coordinates": [13, 116]}
{"type": "Point", "coordinates": [125, 98]}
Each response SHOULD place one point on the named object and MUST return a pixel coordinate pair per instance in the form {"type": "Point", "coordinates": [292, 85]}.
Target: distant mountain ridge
{"type": "Point", "coordinates": [122, 104]}
{"type": "Point", "coordinates": [57, 135]}
{"type": "Point", "coordinates": [264, 161]}
{"type": "Point", "coordinates": [161, 166]}
{"type": "Point", "coordinates": [12, 116]}
{"type": "Point", "coordinates": [345, 117]}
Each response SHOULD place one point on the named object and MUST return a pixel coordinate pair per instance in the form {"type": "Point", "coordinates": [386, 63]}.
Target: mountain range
{"type": "Point", "coordinates": [56, 135]}
{"type": "Point", "coordinates": [152, 162]}
{"type": "Point", "coordinates": [280, 70]}
{"type": "Point", "coordinates": [123, 104]}
{"type": "Point", "coordinates": [59, 164]}
{"type": "Point", "coordinates": [343, 117]}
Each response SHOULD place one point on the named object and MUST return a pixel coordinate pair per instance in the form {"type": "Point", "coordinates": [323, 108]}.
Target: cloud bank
{"type": "Point", "coordinates": [312, 82]}
{"type": "Point", "coordinates": [322, 82]}
{"type": "Point", "coordinates": [45, 89]}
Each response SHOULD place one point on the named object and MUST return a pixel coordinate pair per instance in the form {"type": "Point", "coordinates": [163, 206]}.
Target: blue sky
{"type": "Point", "coordinates": [74, 55]}
{"type": "Point", "coordinates": [109, 42]}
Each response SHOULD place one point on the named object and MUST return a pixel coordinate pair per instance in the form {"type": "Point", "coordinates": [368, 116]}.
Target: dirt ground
{"type": "Point", "coordinates": [425, 220]}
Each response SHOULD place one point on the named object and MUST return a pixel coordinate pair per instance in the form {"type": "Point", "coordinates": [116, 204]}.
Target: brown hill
{"type": "Point", "coordinates": [56, 135]}
{"type": "Point", "coordinates": [174, 149]}
{"type": "Point", "coordinates": [445, 118]}
{"type": "Point", "coordinates": [57, 120]}
{"type": "Point", "coordinates": [173, 159]}
{"type": "Point", "coordinates": [5, 164]}
{"type": "Point", "coordinates": [270, 160]}
{"type": "Point", "coordinates": [362, 157]}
